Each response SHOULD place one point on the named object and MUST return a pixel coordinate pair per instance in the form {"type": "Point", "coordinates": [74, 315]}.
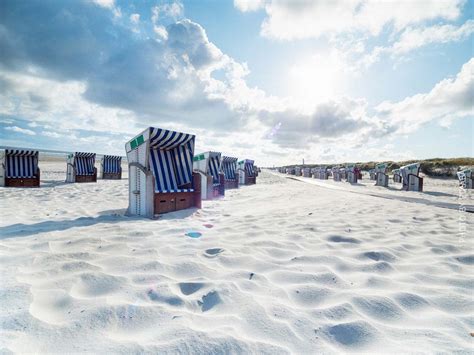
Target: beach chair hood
{"type": "Point", "coordinates": [111, 164]}
{"type": "Point", "coordinates": [229, 166]}
{"type": "Point", "coordinates": [84, 163]}
{"type": "Point", "coordinates": [21, 163]}
{"type": "Point", "coordinates": [212, 164]}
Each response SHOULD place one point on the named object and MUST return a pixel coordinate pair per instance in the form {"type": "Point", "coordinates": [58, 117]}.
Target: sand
{"type": "Point", "coordinates": [284, 266]}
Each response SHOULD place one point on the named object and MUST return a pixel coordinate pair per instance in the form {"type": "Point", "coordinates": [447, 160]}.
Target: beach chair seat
{"type": "Point", "coordinates": [465, 178]}
{"type": "Point", "coordinates": [161, 177]}
{"type": "Point", "coordinates": [410, 177]}
{"type": "Point", "coordinates": [111, 167]}
{"type": "Point", "coordinates": [19, 168]}
{"type": "Point", "coordinates": [81, 167]}
{"type": "Point", "coordinates": [397, 177]}
{"type": "Point", "coordinates": [307, 172]}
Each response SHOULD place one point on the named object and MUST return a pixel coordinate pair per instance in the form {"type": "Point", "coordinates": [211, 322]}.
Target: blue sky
{"type": "Point", "coordinates": [276, 81]}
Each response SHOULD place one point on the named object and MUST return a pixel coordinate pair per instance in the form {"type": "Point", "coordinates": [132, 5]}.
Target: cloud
{"type": "Point", "coordinates": [450, 99]}
{"type": "Point", "coordinates": [249, 5]}
{"type": "Point", "coordinates": [415, 38]}
{"type": "Point", "coordinates": [173, 11]}
{"type": "Point", "coordinates": [20, 130]}
{"type": "Point", "coordinates": [289, 20]}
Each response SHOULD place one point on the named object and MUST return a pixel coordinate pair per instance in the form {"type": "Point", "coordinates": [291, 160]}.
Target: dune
{"type": "Point", "coordinates": [284, 266]}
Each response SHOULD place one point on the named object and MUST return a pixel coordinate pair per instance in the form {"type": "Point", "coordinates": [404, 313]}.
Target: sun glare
{"type": "Point", "coordinates": [315, 79]}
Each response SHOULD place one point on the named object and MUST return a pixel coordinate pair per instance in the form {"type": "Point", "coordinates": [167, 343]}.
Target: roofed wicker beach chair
{"type": "Point", "coordinates": [19, 168]}
{"type": "Point", "coordinates": [381, 177]}
{"type": "Point", "coordinates": [290, 171]}
{"type": "Point", "coordinates": [397, 177]}
{"type": "Point", "coordinates": [307, 172]}
{"type": "Point", "coordinates": [410, 179]}
{"type": "Point", "coordinates": [372, 175]}
{"type": "Point", "coordinates": [81, 167]}
{"type": "Point", "coordinates": [111, 167]}
{"type": "Point", "coordinates": [465, 178]}
{"type": "Point", "coordinates": [208, 166]}
{"type": "Point", "coordinates": [336, 173]}
{"type": "Point", "coordinates": [229, 167]}
{"type": "Point", "coordinates": [161, 178]}
{"type": "Point", "coordinates": [246, 173]}
{"type": "Point", "coordinates": [351, 173]}
{"type": "Point", "coordinates": [343, 173]}
{"type": "Point", "coordinates": [297, 171]}
{"type": "Point", "coordinates": [323, 172]}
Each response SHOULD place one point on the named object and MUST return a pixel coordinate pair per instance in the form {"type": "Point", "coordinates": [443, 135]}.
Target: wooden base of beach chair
{"type": "Point", "coordinates": [112, 176]}
{"type": "Point", "coordinates": [250, 180]}
{"type": "Point", "coordinates": [86, 178]}
{"type": "Point", "coordinates": [231, 184]}
{"type": "Point", "coordinates": [176, 201]}
{"type": "Point", "coordinates": [22, 182]}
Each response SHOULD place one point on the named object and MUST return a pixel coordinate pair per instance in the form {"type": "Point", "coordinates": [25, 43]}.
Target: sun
{"type": "Point", "coordinates": [315, 79]}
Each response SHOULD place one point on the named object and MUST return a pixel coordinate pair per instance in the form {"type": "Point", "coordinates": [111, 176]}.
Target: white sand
{"type": "Point", "coordinates": [287, 266]}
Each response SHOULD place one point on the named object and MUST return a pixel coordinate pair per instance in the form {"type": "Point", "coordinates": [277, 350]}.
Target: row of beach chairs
{"type": "Point", "coordinates": [164, 173]}
{"type": "Point", "coordinates": [408, 175]}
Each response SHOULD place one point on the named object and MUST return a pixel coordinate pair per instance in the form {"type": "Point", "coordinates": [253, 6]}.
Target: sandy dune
{"type": "Point", "coordinates": [281, 267]}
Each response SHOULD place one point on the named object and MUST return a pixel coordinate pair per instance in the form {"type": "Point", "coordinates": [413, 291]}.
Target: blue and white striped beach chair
{"type": "Point", "coordinates": [161, 177]}
{"type": "Point", "coordinates": [246, 172]}
{"type": "Point", "coordinates": [19, 168]}
{"type": "Point", "coordinates": [229, 167]}
{"type": "Point", "coordinates": [208, 165]}
{"type": "Point", "coordinates": [81, 167]}
{"type": "Point", "coordinates": [465, 178]}
{"type": "Point", "coordinates": [111, 167]}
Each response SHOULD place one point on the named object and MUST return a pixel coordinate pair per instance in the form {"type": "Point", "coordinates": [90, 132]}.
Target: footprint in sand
{"type": "Point", "coordinates": [213, 252]}
{"type": "Point", "coordinates": [188, 288]}
{"type": "Point", "coordinates": [209, 301]}
{"type": "Point", "coordinates": [340, 239]}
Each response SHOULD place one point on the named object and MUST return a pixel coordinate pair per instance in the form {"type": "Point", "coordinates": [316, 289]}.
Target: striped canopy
{"type": "Point", "coordinates": [171, 159]}
{"type": "Point", "coordinates": [248, 167]}
{"type": "Point", "coordinates": [84, 163]}
{"type": "Point", "coordinates": [21, 163]}
{"type": "Point", "coordinates": [111, 163]}
{"type": "Point", "coordinates": [214, 166]}
{"type": "Point", "coordinates": [229, 166]}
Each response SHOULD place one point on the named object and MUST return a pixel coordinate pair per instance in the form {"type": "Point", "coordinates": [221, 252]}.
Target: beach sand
{"type": "Point", "coordinates": [284, 266]}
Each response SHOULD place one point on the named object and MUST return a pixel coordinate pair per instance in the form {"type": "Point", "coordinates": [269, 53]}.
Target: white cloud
{"type": "Point", "coordinates": [135, 18]}
{"type": "Point", "coordinates": [20, 130]}
{"type": "Point", "coordinates": [415, 38]}
{"type": "Point", "coordinates": [173, 11]}
{"type": "Point", "coordinates": [51, 134]}
{"type": "Point", "coordinates": [288, 20]}
{"type": "Point", "coordinates": [108, 4]}
{"type": "Point", "coordinates": [249, 5]}
{"type": "Point", "coordinates": [450, 99]}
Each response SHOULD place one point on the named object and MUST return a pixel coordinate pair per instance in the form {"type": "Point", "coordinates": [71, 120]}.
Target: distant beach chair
{"type": "Point", "coordinates": [336, 173]}
{"type": "Point", "coordinates": [19, 168]}
{"type": "Point", "coordinates": [161, 178]}
{"type": "Point", "coordinates": [343, 173]}
{"type": "Point", "coordinates": [323, 173]}
{"type": "Point", "coordinates": [81, 167]}
{"type": "Point", "coordinates": [411, 180]}
{"type": "Point", "coordinates": [372, 175]}
{"type": "Point", "coordinates": [290, 171]}
{"type": "Point", "coordinates": [111, 167]}
{"type": "Point", "coordinates": [297, 171]}
{"type": "Point", "coordinates": [465, 178]}
{"type": "Point", "coordinates": [381, 177]}
{"type": "Point", "coordinates": [229, 167]}
{"type": "Point", "coordinates": [256, 170]}
{"type": "Point", "coordinates": [208, 165]}
{"type": "Point", "coordinates": [306, 172]}
{"type": "Point", "coordinates": [397, 177]}
{"type": "Point", "coordinates": [246, 173]}
{"type": "Point", "coordinates": [352, 173]}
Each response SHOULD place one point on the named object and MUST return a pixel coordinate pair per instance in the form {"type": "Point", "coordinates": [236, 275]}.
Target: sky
{"type": "Point", "coordinates": [277, 81]}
